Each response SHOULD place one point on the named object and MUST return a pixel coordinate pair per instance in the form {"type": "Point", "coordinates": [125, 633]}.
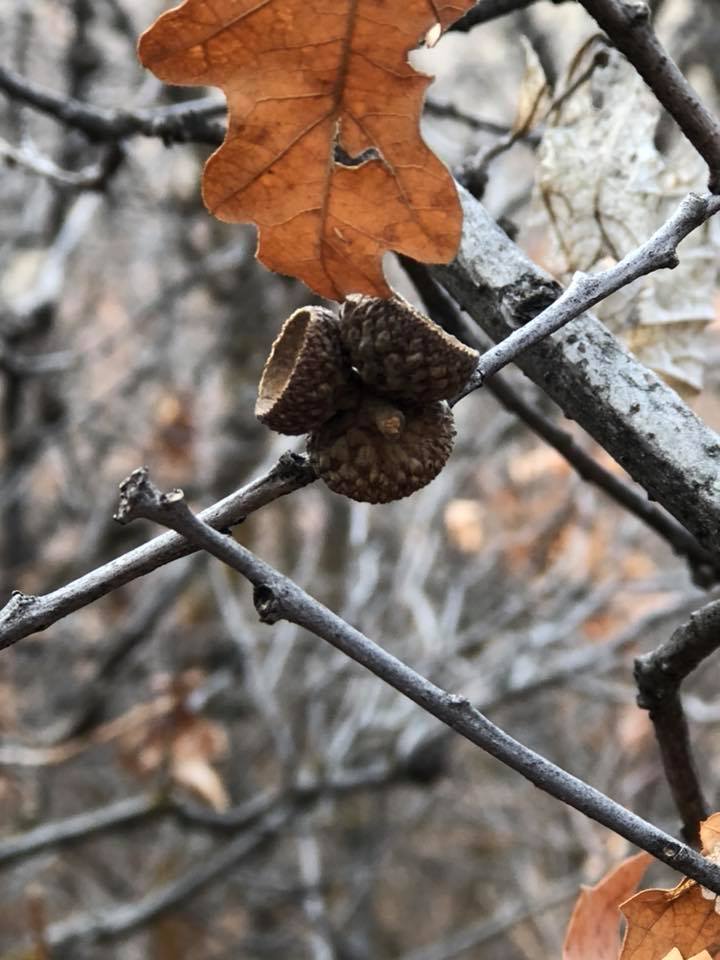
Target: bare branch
{"type": "Point", "coordinates": [641, 422]}
{"type": "Point", "coordinates": [586, 290]}
{"type": "Point", "coordinates": [705, 566]}
{"type": "Point", "coordinates": [486, 10]}
{"type": "Point", "coordinates": [279, 598]}
{"type": "Point", "coordinates": [24, 615]}
{"type": "Point", "coordinates": [120, 921]}
{"type": "Point", "coordinates": [659, 676]}
{"type": "Point", "coordinates": [628, 26]}
{"type": "Point", "coordinates": [72, 829]}
{"type": "Point", "coordinates": [190, 121]}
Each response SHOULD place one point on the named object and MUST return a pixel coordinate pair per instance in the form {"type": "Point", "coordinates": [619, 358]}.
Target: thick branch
{"type": "Point", "coordinates": [277, 597]}
{"type": "Point", "coordinates": [638, 419]}
{"type": "Point", "coordinates": [659, 676]}
{"type": "Point", "coordinates": [24, 615]}
{"type": "Point", "coordinates": [628, 26]}
{"type": "Point", "coordinates": [705, 567]}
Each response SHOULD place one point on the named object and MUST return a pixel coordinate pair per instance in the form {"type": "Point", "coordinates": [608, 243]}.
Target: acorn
{"type": "Point", "coordinates": [382, 450]}
{"type": "Point", "coordinates": [306, 378]}
{"type": "Point", "coordinates": [401, 353]}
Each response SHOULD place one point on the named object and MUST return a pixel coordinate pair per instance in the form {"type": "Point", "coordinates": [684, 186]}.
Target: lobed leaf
{"type": "Point", "coordinates": [323, 150]}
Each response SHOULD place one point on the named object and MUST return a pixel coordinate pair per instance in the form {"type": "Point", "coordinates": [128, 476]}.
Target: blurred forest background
{"type": "Point", "coordinates": [262, 796]}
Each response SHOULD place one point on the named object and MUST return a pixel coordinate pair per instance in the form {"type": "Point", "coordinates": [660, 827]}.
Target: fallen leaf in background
{"type": "Point", "coordinates": [465, 524]}
{"type": "Point", "coordinates": [535, 93]}
{"type": "Point", "coordinates": [323, 150]}
{"type": "Point", "coordinates": [605, 189]}
{"type": "Point", "coordinates": [180, 743]}
{"type": "Point", "coordinates": [594, 929]}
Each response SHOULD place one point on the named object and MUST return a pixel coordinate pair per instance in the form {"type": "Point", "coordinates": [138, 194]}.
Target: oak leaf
{"type": "Point", "coordinates": [323, 150]}
{"type": "Point", "coordinates": [594, 928]}
{"type": "Point", "coordinates": [685, 919]}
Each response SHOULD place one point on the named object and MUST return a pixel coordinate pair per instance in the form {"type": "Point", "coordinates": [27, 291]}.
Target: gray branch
{"type": "Point", "coordinates": [659, 676]}
{"type": "Point", "coordinates": [24, 614]}
{"type": "Point", "coordinates": [628, 26]}
{"type": "Point", "coordinates": [279, 598]}
{"type": "Point", "coordinates": [637, 418]}
{"type": "Point", "coordinates": [585, 290]}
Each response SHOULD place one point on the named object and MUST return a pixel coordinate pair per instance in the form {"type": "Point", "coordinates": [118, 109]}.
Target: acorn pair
{"type": "Point", "coordinates": [369, 388]}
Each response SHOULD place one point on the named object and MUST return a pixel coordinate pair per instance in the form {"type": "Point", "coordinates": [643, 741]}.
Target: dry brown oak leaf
{"type": "Point", "coordinates": [594, 928]}
{"type": "Point", "coordinates": [686, 918]}
{"type": "Point", "coordinates": [323, 150]}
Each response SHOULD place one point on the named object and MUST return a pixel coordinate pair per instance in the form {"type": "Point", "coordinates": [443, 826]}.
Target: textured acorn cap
{"type": "Point", "coordinates": [381, 451]}
{"type": "Point", "coordinates": [400, 352]}
{"type": "Point", "coordinates": [306, 378]}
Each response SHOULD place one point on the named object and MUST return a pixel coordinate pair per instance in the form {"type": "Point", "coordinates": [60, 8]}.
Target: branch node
{"type": "Point", "coordinates": [139, 497]}
{"type": "Point", "coordinates": [16, 606]}
{"type": "Point", "coordinates": [267, 604]}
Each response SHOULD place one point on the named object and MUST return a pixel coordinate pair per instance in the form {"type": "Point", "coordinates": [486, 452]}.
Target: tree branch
{"type": "Point", "coordinates": [277, 598]}
{"type": "Point", "coordinates": [641, 422]}
{"type": "Point", "coordinates": [628, 26]}
{"type": "Point", "coordinates": [24, 614]}
{"type": "Point", "coordinates": [178, 123]}
{"type": "Point", "coordinates": [486, 10]}
{"type": "Point", "coordinates": [704, 565]}
{"type": "Point", "coordinates": [659, 676]}
{"type": "Point", "coordinates": [585, 290]}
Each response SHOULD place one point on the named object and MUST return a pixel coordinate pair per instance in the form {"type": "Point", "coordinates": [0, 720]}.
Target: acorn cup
{"type": "Point", "coordinates": [382, 451]}
{"type": "Point", "coordinates": [369, 390]}
{"type": "Point", "coordinates": [401, 353]}
{"type": "Point", "coordinates": [306, 378]}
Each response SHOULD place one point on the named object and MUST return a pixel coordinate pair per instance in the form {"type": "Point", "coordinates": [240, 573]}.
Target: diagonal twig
{"type": "Point", "coordinates": [639, 420]}
{"type": "Point", "coordinates": [629, 27]}
{"type": "Point", "coordinates": [659, 676]}
{"type": "Point", "coordinates": [585, 290]}
{"type": "Point", "coordinates": [704, 565]}
{"type": "Point", "coordinates": [189, 121]}
{"type": "Point", "coordinates": [279, 598]}
{"type": "Point", "coordinates": [24, 614]}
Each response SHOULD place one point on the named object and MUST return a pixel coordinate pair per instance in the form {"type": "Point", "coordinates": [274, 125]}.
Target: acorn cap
{"type": "Point", "coordinates": [306, 378]}
{"type": "Point", "coordinates": [401, 353]}
{"type": "Point", "coordinates": [381, 451]}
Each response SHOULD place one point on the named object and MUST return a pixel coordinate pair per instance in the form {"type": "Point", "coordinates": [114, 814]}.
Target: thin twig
{"type": "Point", "coordinates": [120, 921]}
{"type": "Point", "coordinates": [459, 942]}
{"type": "Point", "coordinates": [704, 565]}
{"type": "Point", "coordinates": [640, 421]}
{"type": "Point", "coordinates": [24, 614]}
{"type": "Point", "coordinates": [659, 676]}
{"type": "Point", "coordinates": [189, 121]}
{"type": "Point", "coordinates": [278, 598]}
{"type": "Point", "coordinates": [89, 178]}
{"type": "Point", "coordinates": [486, 10]}
{"type": "Point", "coordinates": [629, 27]}
{"type": "Point", "coordinates": [585, 290]}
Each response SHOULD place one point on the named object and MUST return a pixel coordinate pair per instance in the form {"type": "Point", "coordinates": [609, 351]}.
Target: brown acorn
{"type": "Point", "coordinates": [306, 378]}
{"type": "Point", "coordinates": [400, 352]}
{"type": "Point", "coordinates": [382, 450]}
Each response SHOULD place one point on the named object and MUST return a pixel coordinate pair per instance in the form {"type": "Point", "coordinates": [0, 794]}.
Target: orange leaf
{"type": "Point", "coordinates": [323, 150]}
{"type": "Point", "coordinates": [677, 923]}
{"type": "Point", "coordinates": [594, 928]}
{"type": "Point", "coordinates": [659, 920]}
{"type": "Point", "coordinates": [710, 834]}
